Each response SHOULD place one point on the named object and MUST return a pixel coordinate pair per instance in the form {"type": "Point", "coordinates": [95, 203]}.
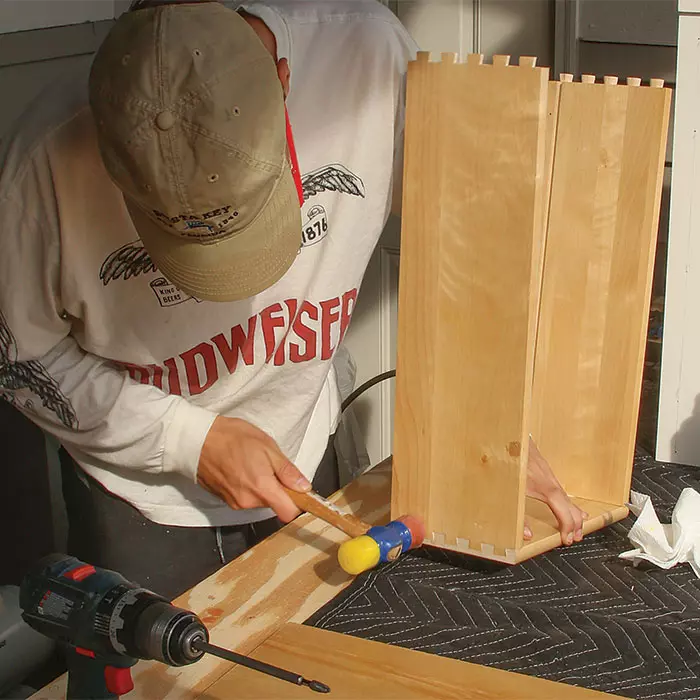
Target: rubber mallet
{"type": "Point", "coordinates": [370, 545]}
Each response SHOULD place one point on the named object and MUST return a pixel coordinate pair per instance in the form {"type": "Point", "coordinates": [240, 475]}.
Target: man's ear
{"type": "Point", "coordinates": [284, 74]}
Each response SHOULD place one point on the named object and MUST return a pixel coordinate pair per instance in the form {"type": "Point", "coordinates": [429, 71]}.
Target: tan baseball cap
{"type": "Point", "coordinates": [191, 125]}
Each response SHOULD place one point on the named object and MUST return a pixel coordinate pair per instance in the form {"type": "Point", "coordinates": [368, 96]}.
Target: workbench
{"type": "Point", "coordinates": [573, 623]}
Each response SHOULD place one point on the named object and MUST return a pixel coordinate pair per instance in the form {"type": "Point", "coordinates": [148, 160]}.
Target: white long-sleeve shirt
{"type": "Point", "coordinates": [127, 371]}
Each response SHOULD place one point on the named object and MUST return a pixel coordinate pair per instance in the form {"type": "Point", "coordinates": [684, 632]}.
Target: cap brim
{"type": "Point", "coordinates": [238, 267]}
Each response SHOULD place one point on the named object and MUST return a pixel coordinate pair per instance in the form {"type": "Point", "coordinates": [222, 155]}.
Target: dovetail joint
{"type": "Point", "coordinates": [439, 538]}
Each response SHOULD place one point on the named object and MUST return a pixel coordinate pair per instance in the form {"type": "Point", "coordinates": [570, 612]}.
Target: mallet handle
{"type": "Point", "coordinates": [311, 502]}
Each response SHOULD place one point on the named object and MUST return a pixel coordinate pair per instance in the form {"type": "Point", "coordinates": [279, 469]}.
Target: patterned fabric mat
{"type": "Point", "coordinates": [578, 615]}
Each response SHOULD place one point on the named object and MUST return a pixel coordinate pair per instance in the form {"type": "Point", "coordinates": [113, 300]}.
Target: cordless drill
{"type": "Point", "coordinates": [109, 623]}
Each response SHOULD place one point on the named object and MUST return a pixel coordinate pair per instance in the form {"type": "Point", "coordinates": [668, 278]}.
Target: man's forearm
{"type": "Point", "coordinates": [90, 405]}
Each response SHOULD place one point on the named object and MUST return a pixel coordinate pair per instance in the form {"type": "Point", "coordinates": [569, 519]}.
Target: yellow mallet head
{"type": "Point", "coordinates": [358, 555]}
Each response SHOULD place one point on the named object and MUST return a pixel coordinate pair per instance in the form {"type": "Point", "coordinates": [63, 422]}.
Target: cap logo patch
{"type": "Point", "coordinates": [209, 224]}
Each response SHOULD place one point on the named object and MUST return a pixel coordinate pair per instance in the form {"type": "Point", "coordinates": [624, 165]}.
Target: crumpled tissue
{"type": "Point", "coordinates": [666, 545]}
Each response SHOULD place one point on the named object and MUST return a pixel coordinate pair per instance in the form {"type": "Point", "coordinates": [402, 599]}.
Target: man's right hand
{"type": "Point", "coordinates": [244, 466]}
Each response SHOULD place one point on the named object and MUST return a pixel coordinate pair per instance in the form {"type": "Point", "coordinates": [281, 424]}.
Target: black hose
{"type": "Point", "coordinates": [367, 385]}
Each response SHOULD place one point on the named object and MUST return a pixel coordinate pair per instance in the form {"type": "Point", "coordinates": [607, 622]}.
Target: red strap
{"type": "Point", "coordinates": [295, 162]}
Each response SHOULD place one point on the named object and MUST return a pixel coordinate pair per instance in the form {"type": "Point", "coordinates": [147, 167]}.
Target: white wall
{"type": "Point", "coordinates": [678, 437]}
{"type": "Point", "coordinates": [515, 27]}
{"type": "Point", "coordinates": [23, 15]}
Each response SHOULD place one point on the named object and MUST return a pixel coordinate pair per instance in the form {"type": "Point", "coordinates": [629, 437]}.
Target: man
{"type": "Point", "coordinates": [176, 282]}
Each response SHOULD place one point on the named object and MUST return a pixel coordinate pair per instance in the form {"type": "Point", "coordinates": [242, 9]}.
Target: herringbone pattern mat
{"type": "Point", "coordinates": [577, 615]}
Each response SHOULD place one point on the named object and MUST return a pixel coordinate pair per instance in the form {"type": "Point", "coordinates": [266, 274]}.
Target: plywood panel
{"type": "Point", "coordinates": [358, 669]}
{"type": "Point", "coordinates": [467, 319]}
{"type": "Point", "coordinates": [597, 278]}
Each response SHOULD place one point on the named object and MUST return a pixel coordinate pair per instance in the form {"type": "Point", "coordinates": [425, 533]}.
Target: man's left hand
{"type": "Point", "coordinates": [543, 485]}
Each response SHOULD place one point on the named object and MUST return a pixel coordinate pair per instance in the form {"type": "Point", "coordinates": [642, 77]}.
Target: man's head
{"type": "Point", "coordinates": [188, 100]}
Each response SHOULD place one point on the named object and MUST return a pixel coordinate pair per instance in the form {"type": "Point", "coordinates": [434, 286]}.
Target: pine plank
{"type": "Point", "coordinates": [598, 271]}
{"type": "Point", "coordinates": [545, 529]}
{"type": "Point", "coordinates": [359, 669]}
{"type": "Point", "coordinates": [467, 319]}
{"type": "Point", "coordinates": [423, 148]}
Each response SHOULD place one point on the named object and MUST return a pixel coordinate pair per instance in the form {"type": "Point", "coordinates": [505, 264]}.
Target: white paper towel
{"type": "Point", "coordinates": [666, 545]}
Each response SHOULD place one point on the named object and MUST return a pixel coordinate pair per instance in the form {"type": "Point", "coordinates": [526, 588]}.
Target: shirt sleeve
{"type": "Point", "coordinates": [92, 406]}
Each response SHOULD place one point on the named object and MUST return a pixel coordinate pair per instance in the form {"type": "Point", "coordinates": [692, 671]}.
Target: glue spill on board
{"type": "Point", "coordinates": [325, 502]}
{"type": "Point", "coordinates": [211, 615]}
{"type": "Point", "coordinates": [514, 448]}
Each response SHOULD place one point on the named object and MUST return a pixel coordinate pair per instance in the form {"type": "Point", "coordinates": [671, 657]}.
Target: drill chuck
{"type": "Point", "coordinates": [169, 634]}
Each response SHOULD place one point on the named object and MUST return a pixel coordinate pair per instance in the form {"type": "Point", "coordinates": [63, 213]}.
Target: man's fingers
{"type": "Point", "coordinates": [561, 507]}
{"type": "Point", "coordinates": [290, 476]}
{"type": "Point", "coordinates": [275, 497]}
{"type": "Point", "coordinates": [578, 523]}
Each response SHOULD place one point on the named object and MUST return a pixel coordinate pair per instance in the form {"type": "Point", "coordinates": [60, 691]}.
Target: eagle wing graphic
{"type": "Point", "coordinates": [128, 261]}
{"type": "Point", "coordinates": [31, 375]}
{"type": "Point", "coordinates": [333, 178]}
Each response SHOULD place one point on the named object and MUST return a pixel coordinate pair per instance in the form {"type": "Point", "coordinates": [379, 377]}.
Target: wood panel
{"type": "Point", "coordinates": [545, 529]}
{"type": "Point", "coordinates": [358, 669]}
{"type": "Point", "coordinates": [472, 211]}
{"type": "Point", "coordinates": [420, 214]}
{"type": "Point", "coordinates": [598, 271]}
{"type": "Point", "coordinates": [287, 577]}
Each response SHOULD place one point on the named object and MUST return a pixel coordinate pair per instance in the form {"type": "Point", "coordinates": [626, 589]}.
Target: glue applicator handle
{"type": "Point", "coordinates": [311, 502]}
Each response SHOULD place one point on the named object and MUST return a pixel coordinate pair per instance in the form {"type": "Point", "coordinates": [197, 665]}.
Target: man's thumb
{"type": "Point", "coordinates": [291, 477]}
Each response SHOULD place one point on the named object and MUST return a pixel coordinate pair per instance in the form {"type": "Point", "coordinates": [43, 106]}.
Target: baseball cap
{"type": "Point", "coordinates": [192, 128]}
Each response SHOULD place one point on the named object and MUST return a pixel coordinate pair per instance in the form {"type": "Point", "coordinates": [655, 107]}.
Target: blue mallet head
{"type": "Point", "coordinates": [381, 544]}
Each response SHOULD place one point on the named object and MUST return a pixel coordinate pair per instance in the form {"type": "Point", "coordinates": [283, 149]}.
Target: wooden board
{"type": "Point", "coordinates": [413, 417]}
{"type": "Point", "coordinates": [287, 577]}
{"type": "Point", "coordinates": [358, 669]}
{"type": "Point", "coordinates": [545, 530]}
{"type": "Point", "coordinates": [473, 217]}
{"type": "Point", "coordinates": [598, 270]}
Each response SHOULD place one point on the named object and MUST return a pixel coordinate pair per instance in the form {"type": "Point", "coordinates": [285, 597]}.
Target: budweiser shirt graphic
{"type": "Point", "coordinates": [129, 372]}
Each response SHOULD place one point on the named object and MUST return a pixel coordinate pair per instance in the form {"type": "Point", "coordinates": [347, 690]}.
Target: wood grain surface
{"type": "Point", "coordinates": [417, 320]}
{"type": "Point", "coordinates": [358, 669]}
{"type": "Point", "coordinates": [545, 530]}
{"type": "Point", "coordinates": [598, 271]}
{"type": "Point", "coordinates": [287, 577]}
{"type": "Point", "coordinates": [472, 225]}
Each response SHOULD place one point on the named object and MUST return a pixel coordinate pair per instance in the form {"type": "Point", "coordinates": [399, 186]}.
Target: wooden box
{"type": "Point", "coordinates": [530, 215]}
